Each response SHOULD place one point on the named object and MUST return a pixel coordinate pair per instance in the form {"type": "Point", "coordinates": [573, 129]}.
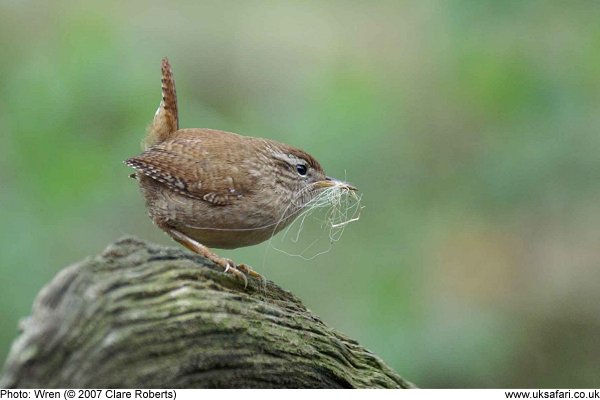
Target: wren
{"type": "Point", "coordinates": [210, 188]}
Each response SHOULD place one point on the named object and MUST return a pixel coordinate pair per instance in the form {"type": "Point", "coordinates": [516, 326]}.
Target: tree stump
{"type": "Point", "coordinates": [146, 316]}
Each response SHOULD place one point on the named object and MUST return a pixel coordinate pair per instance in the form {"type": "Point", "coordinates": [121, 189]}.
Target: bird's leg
{"type": "Point", "coordinates": [228, 266]}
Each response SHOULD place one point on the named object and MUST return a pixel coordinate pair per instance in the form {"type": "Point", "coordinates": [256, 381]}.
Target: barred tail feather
{"type": "Point", "coordinates": [166, 120]}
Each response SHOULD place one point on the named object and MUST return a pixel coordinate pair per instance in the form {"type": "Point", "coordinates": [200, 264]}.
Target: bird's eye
{"type": "Point", "coordinates": [301, 168]}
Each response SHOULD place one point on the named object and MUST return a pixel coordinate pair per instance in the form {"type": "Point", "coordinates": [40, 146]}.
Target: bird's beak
{"type": "Point", "coordinates": [331, 182]}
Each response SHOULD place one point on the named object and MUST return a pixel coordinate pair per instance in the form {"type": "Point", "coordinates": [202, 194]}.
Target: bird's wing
{"type": "Point", "coordinates": [192, 168]}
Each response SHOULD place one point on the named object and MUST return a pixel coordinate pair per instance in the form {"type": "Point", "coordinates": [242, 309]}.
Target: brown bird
{"type": "Point", "coordinates": [206, 187]}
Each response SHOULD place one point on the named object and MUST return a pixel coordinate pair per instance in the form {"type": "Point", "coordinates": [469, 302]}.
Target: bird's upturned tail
{"type": "Point", "coordinates": [166, 120]}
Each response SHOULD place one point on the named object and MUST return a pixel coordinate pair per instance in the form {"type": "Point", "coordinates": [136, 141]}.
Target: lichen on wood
{"type": "Point", "coordinates": [142, 315]}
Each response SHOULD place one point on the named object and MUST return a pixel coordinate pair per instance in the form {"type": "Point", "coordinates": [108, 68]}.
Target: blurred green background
{"type": "Point", "coordinates": [471, 128]}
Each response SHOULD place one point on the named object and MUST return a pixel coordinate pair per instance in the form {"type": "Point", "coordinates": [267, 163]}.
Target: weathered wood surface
{"type": "Point", "coordinates": [142, 315]}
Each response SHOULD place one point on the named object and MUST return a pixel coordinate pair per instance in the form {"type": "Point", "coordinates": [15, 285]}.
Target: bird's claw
{"type": "Point", "coordinates": [240, 271]}
{"type": "Point", "coordinates": [249, 271]}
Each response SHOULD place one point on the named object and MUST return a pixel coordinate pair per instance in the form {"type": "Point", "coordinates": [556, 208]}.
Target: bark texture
{"type": "Point", "coordinates": [142, 315]}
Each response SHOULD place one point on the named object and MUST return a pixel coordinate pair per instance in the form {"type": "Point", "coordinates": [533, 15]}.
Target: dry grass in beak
{"type": "Point", "coordinates": [337, 205]}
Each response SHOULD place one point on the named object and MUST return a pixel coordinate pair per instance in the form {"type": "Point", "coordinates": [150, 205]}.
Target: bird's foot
{"type": "Point", "coordinates": [249, 271]}
{"type": "Point", "coordinates": [240, 271]}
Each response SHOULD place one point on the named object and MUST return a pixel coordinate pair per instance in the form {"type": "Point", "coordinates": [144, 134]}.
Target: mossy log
{"type": "Point", "coordinates": [141, 315]}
